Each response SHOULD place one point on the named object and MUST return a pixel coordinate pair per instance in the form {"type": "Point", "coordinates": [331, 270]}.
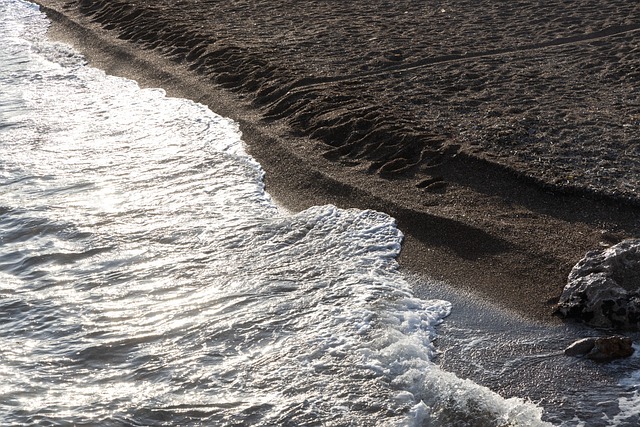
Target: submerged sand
{"type": "Point", "coordinates": [504, 137]}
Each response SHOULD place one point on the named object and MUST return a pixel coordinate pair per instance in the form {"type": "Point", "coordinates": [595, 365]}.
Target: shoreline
{"type": "Point", "coordinates": [488, 232]}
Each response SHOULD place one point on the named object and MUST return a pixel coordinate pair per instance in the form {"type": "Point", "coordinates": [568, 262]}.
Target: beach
{"type": "Point", "coordinates": [503, 139]}
{"type": "Point", "coordinates": [286, 213]}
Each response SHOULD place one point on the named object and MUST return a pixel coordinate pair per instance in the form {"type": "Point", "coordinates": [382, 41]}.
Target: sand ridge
{"type": "Point", "coordinates": [479, 126]}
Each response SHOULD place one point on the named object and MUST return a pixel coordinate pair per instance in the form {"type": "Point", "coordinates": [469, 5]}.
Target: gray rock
{"type": "Point", "coordinates": [601, 349]}
{"type": "Point", "coordinates": [603, 289]}
{"type": "Point", "coordinates": [581, 347]}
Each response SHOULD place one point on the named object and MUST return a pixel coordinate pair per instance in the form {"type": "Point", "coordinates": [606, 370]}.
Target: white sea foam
{"type": "Point", "coordinates": [629, 403]}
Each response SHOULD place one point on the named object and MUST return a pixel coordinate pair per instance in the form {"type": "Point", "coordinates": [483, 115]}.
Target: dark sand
{"type": "Point", "coordinates": [503, 136]}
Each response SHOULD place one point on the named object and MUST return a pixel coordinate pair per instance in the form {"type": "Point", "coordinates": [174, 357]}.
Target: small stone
{"type": "Point", "coordinates": [601, 349]}
{"type": "Point", "coordinates": [611, 348]}
{"type": "Point", "coordinates": [581, 347]}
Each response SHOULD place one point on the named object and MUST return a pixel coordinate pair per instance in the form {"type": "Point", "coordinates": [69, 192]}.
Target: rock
{"type": "Point", "coordinates": [610, 348]}
{"type": "Point", "coordinates": [601, 349]}
{"type": "Point", "coordinates": [603, 289]}
{"type": "Point", "coordinates": [581, 347]}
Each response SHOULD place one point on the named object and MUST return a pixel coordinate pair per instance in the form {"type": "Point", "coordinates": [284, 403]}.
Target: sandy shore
{"type": "Point", "coordinates": [505, 139]}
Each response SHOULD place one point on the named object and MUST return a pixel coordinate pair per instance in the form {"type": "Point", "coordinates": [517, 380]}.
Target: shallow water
{"type": "Point", "coordinates": [517, 357]}
{"type": "Point", "coordinates": [146, 278]}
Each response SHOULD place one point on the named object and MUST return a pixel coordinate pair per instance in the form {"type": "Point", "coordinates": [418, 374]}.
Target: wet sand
{"type": "Point", "coordinates": [505, 139]}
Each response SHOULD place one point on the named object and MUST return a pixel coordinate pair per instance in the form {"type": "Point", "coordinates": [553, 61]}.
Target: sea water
{"type": "Point", "coordinates": [147, 278]}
